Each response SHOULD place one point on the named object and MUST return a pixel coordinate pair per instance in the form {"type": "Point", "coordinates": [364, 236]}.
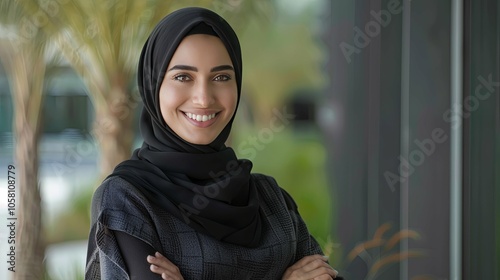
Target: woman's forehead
{"type": "Point", "coordinates": [200, 49]}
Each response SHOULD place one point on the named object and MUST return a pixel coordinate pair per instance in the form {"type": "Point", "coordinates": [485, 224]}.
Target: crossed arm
{"type": "Point", "coordinates": [143, 262]}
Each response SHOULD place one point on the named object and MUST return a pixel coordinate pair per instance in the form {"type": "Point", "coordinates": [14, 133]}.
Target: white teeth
{"type": "Point", "coordinates": [200, 118]}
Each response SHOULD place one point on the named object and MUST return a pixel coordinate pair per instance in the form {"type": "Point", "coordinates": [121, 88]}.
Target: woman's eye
{"type": "Point", "coordinates": [182, 78]}
{"type": "Point", "coordinates": [222, 78]}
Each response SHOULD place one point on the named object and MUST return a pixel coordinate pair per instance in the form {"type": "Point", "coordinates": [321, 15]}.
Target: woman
{"type": "Point", "coordinates": [184, 207]}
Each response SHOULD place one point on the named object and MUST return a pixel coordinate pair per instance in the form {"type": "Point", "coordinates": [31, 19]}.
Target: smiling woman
{"type": "Point", "coordinates": [184, 206]}
{"type": "Point", "coordinates": [198, 95]}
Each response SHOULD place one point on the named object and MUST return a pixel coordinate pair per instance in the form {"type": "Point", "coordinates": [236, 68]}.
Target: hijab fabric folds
{"type": "Point", "coordinates": [204, 185]}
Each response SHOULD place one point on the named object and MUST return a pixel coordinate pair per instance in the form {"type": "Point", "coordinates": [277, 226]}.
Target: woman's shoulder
{"type": "Point", "coordinates": [115, 193]}
{"type": "Point", "coordinates": [111, 187]}
{"type": "Point", "coordinates": [115, 182]}
{"type": "Point", "coordinates": [265, 183]}
{"type": "Point", "coordinates": [119, 205]}
{"type": "Point", "coordinates": [270, 190]}
{"type": "Point", "coordinates": [265, 179]}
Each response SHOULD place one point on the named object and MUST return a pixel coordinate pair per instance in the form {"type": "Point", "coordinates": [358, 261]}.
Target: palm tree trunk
{"type": "Point", "coordinates": [27, 95]}
{"type": "Point", "coordinates": [29, 244]}
{"type": "Point", "coordinates": [113, 128]}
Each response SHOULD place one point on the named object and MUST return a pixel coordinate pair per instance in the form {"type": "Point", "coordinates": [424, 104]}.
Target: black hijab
{"type": "Point", "coordinates": [204, 185]}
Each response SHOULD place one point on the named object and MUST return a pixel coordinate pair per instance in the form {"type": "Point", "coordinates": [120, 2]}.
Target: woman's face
{"type": "Point", "coordinates": [198, 94]}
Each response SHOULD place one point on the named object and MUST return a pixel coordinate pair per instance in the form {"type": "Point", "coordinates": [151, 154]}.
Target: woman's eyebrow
{"type": "Point", "coordinates": [183, 67]}
{"type": "Point", "coordinates": [221, 68]}
{"type": "Point", "coordinates": [194, 69]}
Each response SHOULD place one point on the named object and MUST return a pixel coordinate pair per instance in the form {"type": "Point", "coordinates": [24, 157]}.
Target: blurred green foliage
{"type": "Point", "coordinates": [74, 222]}
{"type": "Point", "coordinates": [75, 273]}
{"type": "Point", "coordinates": [280, 56]}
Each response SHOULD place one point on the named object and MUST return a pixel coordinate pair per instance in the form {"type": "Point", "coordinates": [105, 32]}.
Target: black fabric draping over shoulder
{"type": "Point", "coordinates": [204, 185]}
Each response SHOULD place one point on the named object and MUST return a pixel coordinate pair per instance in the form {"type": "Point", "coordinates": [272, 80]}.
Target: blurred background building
{"type": "Point", "coordinates": [392, 153]}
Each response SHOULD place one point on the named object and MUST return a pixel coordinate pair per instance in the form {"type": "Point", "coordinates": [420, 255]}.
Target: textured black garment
{"type": "Point", "coordinates": [206, 186]}
{"type": "Point", "coordinates": [119, 206]}
{"type": "Point", "coordinates": [134, 253]}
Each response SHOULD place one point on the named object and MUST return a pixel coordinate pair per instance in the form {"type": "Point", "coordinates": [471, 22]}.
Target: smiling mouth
{"type": "Point", "coordinates": [200, 118]}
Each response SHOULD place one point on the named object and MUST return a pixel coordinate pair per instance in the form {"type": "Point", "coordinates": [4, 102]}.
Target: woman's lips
{"type": "Point", "coordinates": [201, 120]}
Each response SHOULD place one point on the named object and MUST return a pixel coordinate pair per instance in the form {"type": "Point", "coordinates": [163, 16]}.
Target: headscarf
{"type": "Point", "coordinates": [204, 185]}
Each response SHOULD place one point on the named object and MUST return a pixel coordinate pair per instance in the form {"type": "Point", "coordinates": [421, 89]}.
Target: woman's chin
{"type": "Point", "coordinates": [199, 140]}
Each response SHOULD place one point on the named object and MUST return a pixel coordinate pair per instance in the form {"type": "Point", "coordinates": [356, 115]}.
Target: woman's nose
{"type": "Point", "coordinates": [203, 95]}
